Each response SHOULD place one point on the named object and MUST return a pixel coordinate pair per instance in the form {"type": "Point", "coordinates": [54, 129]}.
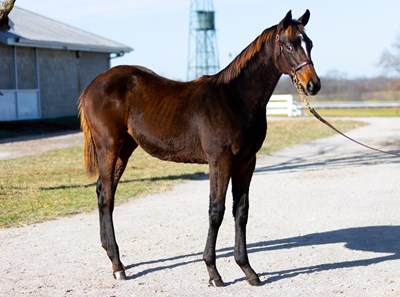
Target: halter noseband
{"type": "Point", "coordinates": [279, 51]}
{"type": "Point", "coordinates": [301, 65]}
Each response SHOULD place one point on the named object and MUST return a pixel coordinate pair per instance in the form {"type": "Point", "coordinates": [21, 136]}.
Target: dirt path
{"type": "Point", "coordinates": [324, 221]}
{"type": "Point", "coordinates": [23, 147]}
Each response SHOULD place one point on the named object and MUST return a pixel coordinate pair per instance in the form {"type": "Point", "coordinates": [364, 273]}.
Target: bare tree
{"type": "Point", "coordinates": [390, 59]}
{"type": "Point", "coordinates": [5, 8]}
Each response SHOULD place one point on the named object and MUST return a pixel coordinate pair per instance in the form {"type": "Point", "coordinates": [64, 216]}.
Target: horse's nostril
{"type": "Point", "coordinates": [310, 86]}
{"type": "Point", "coordinates": [313, 87]}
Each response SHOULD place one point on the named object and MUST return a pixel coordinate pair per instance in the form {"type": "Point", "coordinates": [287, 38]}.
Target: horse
{"type": "Point", "coordinates": [219, 120]}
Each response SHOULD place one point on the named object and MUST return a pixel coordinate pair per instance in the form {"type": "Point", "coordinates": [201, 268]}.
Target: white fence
{"type": "Point", "coordinates": [283, 105]}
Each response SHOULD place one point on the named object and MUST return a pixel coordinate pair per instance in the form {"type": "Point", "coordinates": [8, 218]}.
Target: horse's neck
{"type": "Point", "coordinates": [258, 80]}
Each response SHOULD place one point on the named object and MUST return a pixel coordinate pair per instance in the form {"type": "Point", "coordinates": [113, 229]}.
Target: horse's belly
{"type": "Point", "coordinates": [176, 149]}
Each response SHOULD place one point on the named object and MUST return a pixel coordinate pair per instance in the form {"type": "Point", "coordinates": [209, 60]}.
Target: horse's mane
{"type": "Point", "coordinates": [239, 63]}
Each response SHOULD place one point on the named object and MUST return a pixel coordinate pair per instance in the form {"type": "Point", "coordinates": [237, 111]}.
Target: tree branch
{"type": "Point", "coordinates": [5, 8]}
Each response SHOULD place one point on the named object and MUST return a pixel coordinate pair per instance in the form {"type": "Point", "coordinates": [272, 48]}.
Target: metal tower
{"type": "Point", "coordinates": [203, 51]}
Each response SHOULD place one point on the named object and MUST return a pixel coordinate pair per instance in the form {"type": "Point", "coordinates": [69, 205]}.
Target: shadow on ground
{"type": "Point", "coordinates": [323, 161]}
{"type": "Point", "coordinates": [382, 240]}
{"type": "Point", "coordinates": [188, 176]}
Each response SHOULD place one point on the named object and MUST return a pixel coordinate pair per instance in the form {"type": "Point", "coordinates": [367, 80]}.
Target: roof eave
{"type": "Point", "coordinates": [64, 46]}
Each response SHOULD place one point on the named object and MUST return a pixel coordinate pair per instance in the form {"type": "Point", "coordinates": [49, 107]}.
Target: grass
{"type": "Point", "coordinates": [360, 112]}
{"type": "Point", "coordinates": [46, 186]}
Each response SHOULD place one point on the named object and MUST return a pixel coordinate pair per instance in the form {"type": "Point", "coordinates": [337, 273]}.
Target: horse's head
{"type": "Point", "coordinates": [293, 53]}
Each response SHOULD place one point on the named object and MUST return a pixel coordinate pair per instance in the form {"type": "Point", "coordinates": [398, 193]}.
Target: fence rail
{"type": "Point", "coordinates": [286, 105]}
{"type": "Point", "coordinates": [283, 105]}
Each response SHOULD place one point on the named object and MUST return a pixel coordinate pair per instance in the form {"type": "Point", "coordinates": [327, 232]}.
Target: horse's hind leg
{"type": "Point", "coordinates": [112, 162]}
{"type": "Point", "coordinates": [126, 151]}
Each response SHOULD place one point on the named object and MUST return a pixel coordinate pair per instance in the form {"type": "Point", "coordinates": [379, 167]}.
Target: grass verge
{"type": "Point", "coordinates": [360, 112]}
{"type": "Point", "coordinates": [45, 186]}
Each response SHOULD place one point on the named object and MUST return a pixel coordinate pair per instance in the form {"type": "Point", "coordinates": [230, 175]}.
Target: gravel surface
{"type": "Point", "coordinates": [324, 221]}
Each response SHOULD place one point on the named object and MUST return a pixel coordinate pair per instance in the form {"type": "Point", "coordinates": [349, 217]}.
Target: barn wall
{"type": "Point", "coordinates": [90, 66]}
{"type": "Point", "coordinates": [63, 76]}
{"type": "Point", "coordinates": [26, 68]}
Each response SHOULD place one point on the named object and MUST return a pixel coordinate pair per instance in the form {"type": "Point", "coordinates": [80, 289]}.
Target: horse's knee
{"type": "Point", "coordinates": [216, 213]}
{"type": "Point", "coordinates": [242, 217]}
{"type": "Point", "coordinates": [241, 210]}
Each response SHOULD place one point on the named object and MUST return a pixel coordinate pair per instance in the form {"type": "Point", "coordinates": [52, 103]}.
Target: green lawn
{"type": "Point", "coordinates": [359, 112]}
{"type": "Point", "coordinates": [53, 184]}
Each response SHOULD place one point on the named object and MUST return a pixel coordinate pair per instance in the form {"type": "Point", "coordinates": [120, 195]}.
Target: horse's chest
{"type": "Point", "coordinates": [250, 140]}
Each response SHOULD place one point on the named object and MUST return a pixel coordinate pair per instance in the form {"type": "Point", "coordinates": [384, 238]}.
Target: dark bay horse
{"type": "Point", "coordinates": [219, 120]}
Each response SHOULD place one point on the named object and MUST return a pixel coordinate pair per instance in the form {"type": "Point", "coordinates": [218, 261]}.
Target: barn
{"type": "Point", "coordinates": [45, 65]}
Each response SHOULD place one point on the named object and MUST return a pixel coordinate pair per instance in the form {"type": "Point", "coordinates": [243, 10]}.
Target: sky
{"type": "Point", "coordinates": [348, 36]}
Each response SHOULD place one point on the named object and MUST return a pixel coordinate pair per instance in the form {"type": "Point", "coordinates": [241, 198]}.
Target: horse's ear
{"type": "Point", "coordinates": [305, 18]}
{"type": "Point", "coordinates": [286, 21]}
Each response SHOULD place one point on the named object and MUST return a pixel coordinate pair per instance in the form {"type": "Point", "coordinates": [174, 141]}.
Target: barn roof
{"type": "Point", "coordinates": [34, 30]}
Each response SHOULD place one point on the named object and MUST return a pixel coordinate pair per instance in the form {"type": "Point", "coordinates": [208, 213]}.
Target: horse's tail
{"type": "Point", "coordinates": [89, 149]}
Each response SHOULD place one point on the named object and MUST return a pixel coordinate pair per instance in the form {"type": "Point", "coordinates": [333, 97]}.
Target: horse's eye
{"type": "Point", "coordinates": [289, 48]}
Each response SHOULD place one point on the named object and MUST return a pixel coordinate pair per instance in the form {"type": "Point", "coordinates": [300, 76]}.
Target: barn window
{"type": "Point", "coordinates": [7, 68]}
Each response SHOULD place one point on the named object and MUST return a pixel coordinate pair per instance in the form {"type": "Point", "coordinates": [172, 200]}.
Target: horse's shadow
{"type": "Point", "coordinates": [320, 161]}
{"type": "Point", "coordinates": [376, 239]}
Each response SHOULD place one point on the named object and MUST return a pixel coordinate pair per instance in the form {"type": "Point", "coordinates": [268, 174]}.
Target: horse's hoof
{"type": "Point", "coordinates": [119, 275]}
{"type": "Point", "coordinates": [255, 282]}
{"type": "Point", "coordinates": [216, 283]}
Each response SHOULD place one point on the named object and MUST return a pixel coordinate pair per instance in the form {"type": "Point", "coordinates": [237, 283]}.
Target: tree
{"type": "Point", "coordinates": [5, 8]}
{"type": "Point", "coordinates": [390, 60]}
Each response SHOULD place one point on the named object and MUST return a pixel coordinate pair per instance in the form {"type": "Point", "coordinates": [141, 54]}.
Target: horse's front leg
{"type": "Point", "coordinates": [105, 192]}
{"type": "Point", "coordinates": [219, 179]}
{"type": "Point", "coordinates": [241, 178]}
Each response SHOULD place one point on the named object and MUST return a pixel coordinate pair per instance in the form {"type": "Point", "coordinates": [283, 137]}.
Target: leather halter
{"type": "Point", "coordinates": [279, 51]}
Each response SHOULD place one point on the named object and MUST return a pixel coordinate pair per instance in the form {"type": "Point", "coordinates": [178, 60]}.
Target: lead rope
{"type": "Point", "coordinates": [303, 97]}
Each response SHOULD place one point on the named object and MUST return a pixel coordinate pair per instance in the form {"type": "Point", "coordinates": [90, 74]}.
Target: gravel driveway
{"type": "Point", "coordinates": [324, 221]}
